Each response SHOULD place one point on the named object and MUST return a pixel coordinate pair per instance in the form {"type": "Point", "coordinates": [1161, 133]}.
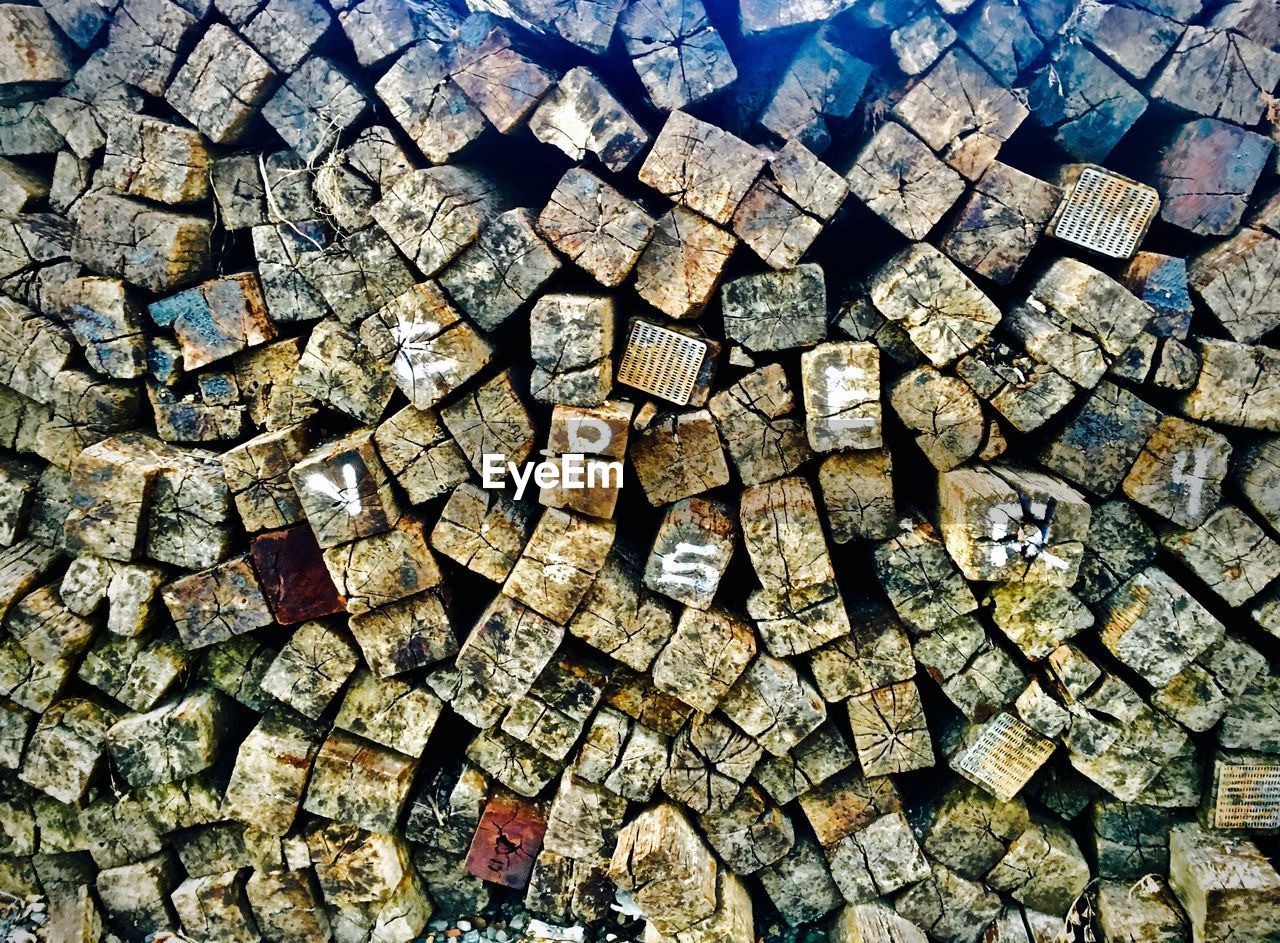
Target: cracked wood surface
{"type": "Point", "coordinates": [279, 276]}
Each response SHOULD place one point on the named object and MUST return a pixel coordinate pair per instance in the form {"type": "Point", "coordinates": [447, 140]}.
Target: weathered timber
{"type": "Point", "coordinates": [842, 396]}
{"type": "Point", "coordinates": [942, 412]}
{"type": "Point", "coordinates": [571, 340]}
{"type": "Point", "coordinates": [1000, 523]}
{"type": "Point", "coordinates": [150, 247]}
{"type": "Point", "coordinates": [710, 762]}
{"type": "Point", "coordinates": [876, 654]}
{"type": "Point", "coordinates": [378, 29]}
{"type": "Point", "coordinates": [380, 569]}
{"type": "Point", "coordinates": [349, 184]}
{"type": "Point", "coordinates": [619, 617]}
{"type": "Point", "coordinates": [135, 672]}
{"type": "Point", "coordinates": [106, 319]}
{"type": "Point", "coordinates": [491, 420]}
{"type": "Point", "coordinates": [880, 857]}
{"type": "Point", "coordinates": [359, 783]}
{"type": "Point", "coordinates": [678, 456]}
{"type": "Point", "coordinates": [1206, 174]}
{"type": "Point", "coordinates": [1229, 553]}
{"type": "Point", "coordinates": [1218, 73]}
{"type": "Point", "coordinates": [235, 667]}
{"type": "Point", "coordinates": [774, 704]}
{"type": "Point", "coordinates": [788, 205]}
{"type": "Point", "coordinates": [432, 215]}
{"type": "Point", "coordinates": [776, 310]}
{"type": "Point", "coordinates": [1043, 869]}
{"type": "Point", "coordinates": [420, 455]}
{"type": "Point", "coordinates": [257, 473]}
{"type": "Point", "coordinates": [1037, 618]}
{"type": "Point", "coordinates": [1226, 885]}
{"type": "Point", "coordinates": [216, 904]}
{"type": "Point", "coordinates": [920, 579]}
{"type": "Point", "coordinates": [821, 85]}
{"type": "Point", "coordinates": [899, 179]}
{"type": "Point", "coordinates": [270, 772]}
{"type": "Point", "coordinates": [704, 657]}
{"type": "Point", "coordinates": [679, 269]}
{"type": "Point", "coordinates": [172, 742]}
{"type": "Point", "coordinates": [800, 885]}
{"type": "Point", "coordinates": [595, 226]}
{"type": "Point", "coordinates": [889, 730]}
{"type": "Point", "coordinates": [49, 631]}
{"type": "Point", "coordinates": [429, 349]}
{"type": "Point", "coordinates": [284, 31]}
{"type": "Point", "coordinates": [310, 669]}
{"type": "Point", "coordinates": [952, 907]}
{"type": "Point", "coordinates": [1078, 320]}
{"type": "Point", "coordinates": [1238, 385]}
{"type": "Point", "coordinates": [751, 834]}
{"type": "Point", "coordinates": [1064, 97]}
{"type": "Point", "coordinates": [1000, 223]}
{"type": "Point", "coordinates": [487, 60]}
{"type": "Point", "coordinates": [142, 48]}
{"type": "Point", "coordinates": [701, 167]}
{"type": "Point", "coordinates": [873, 923]}
{"type": "Point", "coordinates": [1234, 280]}
{"type": "Point", "coordinates": [678, 54]}
{"type": "Point", "coordinates": [314, 106]}
{"type": "Point", "coordinates": [507, 634]}
{"type": "Point", "coordinates": [810, 763]}
{"type": "Point", "coordinates": [130, 167]}
{"type": "Point", "coordinates": [137, 895]}
{"type": "Point", "coordinates": [920, 41]}
{"type": "Point", "coordinates": [556, 567]}
{"type": "Point", "coordinates": [219, 88]}
{"type": "Point", "coordinates": [552, 714]}
{"type": "Point", "coordinates": [799, 606]}
{"type": "Point", "coordinates": [344, 490]}
{"type": "Point", "coordinates": [405, 635]}
{"type": "Point", "coordinates": [623, 755]}
{"type": "Point", "coordinates": [1148, 913]}
{"type": "Point", "coordinates": [1153, 625]}
{"type": "Point", "coordinates": [292, 572]}
{"type": "Point", "coordinates": [581, 116]}
{"type": "Point", "coordinates": [661, 861]}
{"type": "Point", "coordinates": [756, 420]}
{"type": "Point", "coordinates": [67, 748]}
{"type": "Point", "coordinates": [941, 309]}
{"type": "Point", "coordinates": [520, 768]}
{"type": "Point", "coordinates": [1179, 472]}
{"type": "Point", "coordinates": [482, 531]}
{"type": "Point", "coordinates": [857, 492]}
{"type": "Point", "coordinates": [962, 112]}
{"type": "Point", "coordinates": [1099, 445]}
{"type": "Point", "coordinates": [507, 840]}
{"type": "Point", "coordinates": [215, 319]}
{"type": "Point", "coordinates": [34, 59]}
{"type": "Point", "coordinates": [691, 551]}
{"type": "Point", "coordinates": [502, 270]}
{"type": "Point", "coordinates": [216, 604]}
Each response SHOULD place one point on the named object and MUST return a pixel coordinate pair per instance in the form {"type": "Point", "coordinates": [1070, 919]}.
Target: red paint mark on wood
{"type": "Point", "coordinates": [507, 840]}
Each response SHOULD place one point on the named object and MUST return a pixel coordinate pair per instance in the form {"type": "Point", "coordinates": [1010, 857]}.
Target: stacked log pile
{"type": "Point", "coordinates": [936, 598]}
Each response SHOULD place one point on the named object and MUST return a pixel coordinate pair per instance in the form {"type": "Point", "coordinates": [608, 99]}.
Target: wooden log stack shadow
{"type": "Point", "coordinates": [710, 470]}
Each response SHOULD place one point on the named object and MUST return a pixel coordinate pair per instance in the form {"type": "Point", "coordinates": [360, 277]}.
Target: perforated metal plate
{"type": "Point", "coordinates": [1105, 213]}
{"type": "Point", "coordinates": [1005, 756]}
{"type": "Point", "coordinates": [1248, 796]}
{"type": "Point", "coordinates": [662, 362]}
